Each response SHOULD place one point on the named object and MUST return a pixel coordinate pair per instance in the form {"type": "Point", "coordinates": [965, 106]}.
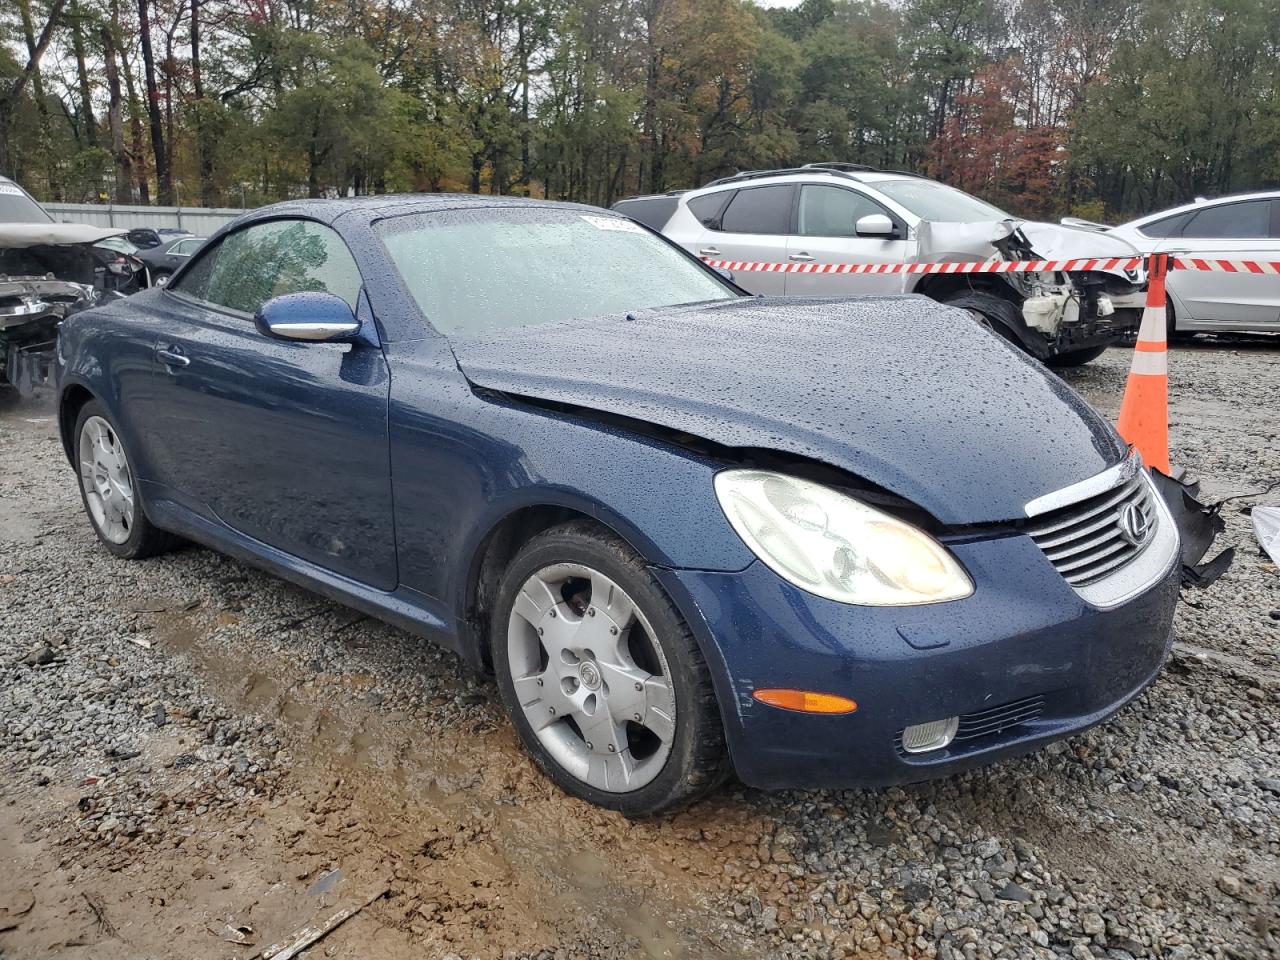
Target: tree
{"type": "Point", "coordinates": [13, 89]}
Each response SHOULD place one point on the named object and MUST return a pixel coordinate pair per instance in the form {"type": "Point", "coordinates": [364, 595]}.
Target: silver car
{"type": "Point", "coordinates": [846, 213]}
{"type": "Point", "coordinates": [1243, 227]}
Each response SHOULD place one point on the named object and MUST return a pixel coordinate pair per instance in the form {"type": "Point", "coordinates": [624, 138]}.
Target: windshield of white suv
{"type": "Point", "coordinates": [931, 200]}
{"type": "Point", "coordinates": [17, 207]}
{"type": "Point", "coordinates": [478, 271]}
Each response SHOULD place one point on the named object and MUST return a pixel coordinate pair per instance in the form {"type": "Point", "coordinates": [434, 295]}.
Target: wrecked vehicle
{"type": "Point", "coordinates": [48, 271]}
{"type": "Point", "coordinates": [686, 533]}
{"type": "Point", "coordinates": [847, 213]}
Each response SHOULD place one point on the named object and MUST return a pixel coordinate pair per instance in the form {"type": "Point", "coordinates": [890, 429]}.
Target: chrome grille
{"type": "Point", "coordinates": [1086, 540]}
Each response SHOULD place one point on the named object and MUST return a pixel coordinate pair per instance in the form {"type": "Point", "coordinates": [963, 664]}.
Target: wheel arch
{"type": "Point", "coordinates": [498, 546]}
{"type": "Point", "coordinates": [71, 401]}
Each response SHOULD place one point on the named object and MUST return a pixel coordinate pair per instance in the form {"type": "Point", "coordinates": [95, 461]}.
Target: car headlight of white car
{"type": "Point", "coordinates": [832, 545]}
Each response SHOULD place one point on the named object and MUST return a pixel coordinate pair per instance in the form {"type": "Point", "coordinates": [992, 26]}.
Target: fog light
{"type": "Point", "coordinates": [934, 735]}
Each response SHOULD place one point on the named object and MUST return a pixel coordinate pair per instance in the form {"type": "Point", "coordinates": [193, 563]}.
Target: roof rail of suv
{"type": "Point", "coordinates": [838, 165]}
{"type": "Point", "coordinates": [753, 174]}
{"type": "Point", "coordinates": [834, 168]}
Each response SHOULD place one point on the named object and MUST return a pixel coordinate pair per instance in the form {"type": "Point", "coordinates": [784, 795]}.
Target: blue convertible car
{"type": "Point", "coordinates": [817, 542]}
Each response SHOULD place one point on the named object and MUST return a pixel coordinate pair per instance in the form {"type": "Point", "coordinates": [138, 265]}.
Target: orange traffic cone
{"type": "Point", "coordinates": [1144, 412]}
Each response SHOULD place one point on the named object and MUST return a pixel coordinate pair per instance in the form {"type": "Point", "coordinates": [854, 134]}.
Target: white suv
{"type": "Point", "coordinates": [844, 213]}
{"type": "Point", "coordinates": [1243, 227]}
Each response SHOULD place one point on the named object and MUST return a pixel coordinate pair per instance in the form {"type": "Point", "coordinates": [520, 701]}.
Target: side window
{"type": "Point", "coordinates": [1167, 227]}
{"type": "Point", "coordinates": [707, 209]}
{"type": "Point", "coordinates": [195, 282]}
{"type": "Point", "coordinates": [833, 211]}
{"type": "Point", "coordinates": [185, 248]}
{"type": "Point", "coordinates": [759, 210]}
{"type": "Point", "coordinates": [266, 260]}
{"type": "Point", "coordinates": [1242, 221]}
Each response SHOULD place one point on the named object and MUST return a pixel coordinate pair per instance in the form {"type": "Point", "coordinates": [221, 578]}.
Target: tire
{"type": "Point", "coordinates": [108, 492]}
{"type": "Point", "coordinates": [1076, 358]}
{"type": "Point", "coordinates": [161, 278]}
{"type": "Point", "coordinates": [624, 672]}
{"type": "Point", "coordinates": [995, 313]}
{"type": "Point", "coordinates": [1172, 334]}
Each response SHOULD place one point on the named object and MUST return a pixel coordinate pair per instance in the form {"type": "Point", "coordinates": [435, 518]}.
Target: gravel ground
{"type": "Point", "coordinates": [197, 760]}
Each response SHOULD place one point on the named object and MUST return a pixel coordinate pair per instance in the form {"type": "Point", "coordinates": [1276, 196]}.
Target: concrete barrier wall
{"type": "Point", "coordinates": [201, 221]}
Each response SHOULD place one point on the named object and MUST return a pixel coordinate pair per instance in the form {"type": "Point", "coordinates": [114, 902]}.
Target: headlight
{"type": "Point", "coordinates": [835, 546]}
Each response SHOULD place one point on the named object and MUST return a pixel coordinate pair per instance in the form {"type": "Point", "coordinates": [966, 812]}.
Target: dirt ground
{"type": "Point", "coordinates": [199, 761]}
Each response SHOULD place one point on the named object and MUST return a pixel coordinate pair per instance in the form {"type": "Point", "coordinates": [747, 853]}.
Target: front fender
{"type": "Point", "coordinates": [463, 462]}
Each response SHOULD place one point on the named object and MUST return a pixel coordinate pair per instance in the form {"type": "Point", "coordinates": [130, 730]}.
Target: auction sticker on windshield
{"type": "Point", "coordinates": [613, 223]}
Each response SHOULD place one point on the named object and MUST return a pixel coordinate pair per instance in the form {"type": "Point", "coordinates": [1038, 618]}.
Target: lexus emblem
{"type": "Point", "coordinates": [1134, 525]}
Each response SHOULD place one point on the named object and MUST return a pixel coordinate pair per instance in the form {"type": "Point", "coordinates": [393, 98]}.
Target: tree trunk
{"type": "Point", "coordinates": [89, 126]}
{"type": "Point", "coordinates": [115, 125]}
{"type": "Point", "coordinates": [649, 132]}
{"type": "Point", "coordinates": [164, 178]}
{"type": "Point", "coordinates": [42, 109]}
{"type": "Point", "coordinates": [208, 188]}
{"type": "Point", "coordinates": [136, 154]}
{"type": "Point", "coordinates": [524, 101]}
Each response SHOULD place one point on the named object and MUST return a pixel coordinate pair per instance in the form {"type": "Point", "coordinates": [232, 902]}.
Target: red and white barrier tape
{"type": "Point", "coordinates": [997, 266]}
{"type": "Point", "coordinates": [1225, 266]}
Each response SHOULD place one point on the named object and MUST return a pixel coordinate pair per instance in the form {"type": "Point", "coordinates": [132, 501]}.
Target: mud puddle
{"type": "Point", "coordinates": [476, 846]}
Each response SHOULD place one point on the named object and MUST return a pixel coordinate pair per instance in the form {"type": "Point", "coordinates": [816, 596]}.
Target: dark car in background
{"type": "Point", "coordinates": [165, 258]}
{"type": "Point", "coordinates": [686, 532]}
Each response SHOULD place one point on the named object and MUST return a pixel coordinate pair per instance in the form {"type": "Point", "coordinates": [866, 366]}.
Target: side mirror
{"type": "Point", "coordinates": [874, 225]}
{"type": "Point", "coordinates": [309, 315]}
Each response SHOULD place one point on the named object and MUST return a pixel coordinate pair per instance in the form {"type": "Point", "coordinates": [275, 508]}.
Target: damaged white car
{"type": "Point", "coordinates": [845, 213]}
{"type": "Point", "coordinates": [48, 270]}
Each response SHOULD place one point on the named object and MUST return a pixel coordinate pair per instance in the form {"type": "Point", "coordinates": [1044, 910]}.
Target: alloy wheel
{"type": "Point", "coordinates": [107, 480]}
{"type": "Point", "coordinates": [591, 677]}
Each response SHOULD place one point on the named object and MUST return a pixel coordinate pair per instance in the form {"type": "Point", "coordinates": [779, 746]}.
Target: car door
{"type": "Point", "coordinates": [180, 252]}
{"type": "Point", "coordinates": [752, 227]}
{"type": "Point", "coordinates": [285, 442]}
{"type": "Point", "coordinates": [826, 232]}
{"type": "Point", "coordinates": [1243, 230]}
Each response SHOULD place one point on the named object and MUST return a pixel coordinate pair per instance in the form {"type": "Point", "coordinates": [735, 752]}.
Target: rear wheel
{"type": "Point", "coordinates": [160, 278]}
{"type": "Point", "coordinates": [601, 676]}
{"type": "Point", "coordinates": [108, 490]}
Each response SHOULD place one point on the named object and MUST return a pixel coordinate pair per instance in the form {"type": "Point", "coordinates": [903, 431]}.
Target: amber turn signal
{"type": "Point", "coordinates": [805, 701]}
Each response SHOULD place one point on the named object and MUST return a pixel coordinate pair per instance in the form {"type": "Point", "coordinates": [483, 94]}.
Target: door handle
{"type": "Point", "coordinates": [172, 356]}
{"type": "Point", "coordinates": [801, 258]}
{"type": "Point", "coordinates": [709, 252]}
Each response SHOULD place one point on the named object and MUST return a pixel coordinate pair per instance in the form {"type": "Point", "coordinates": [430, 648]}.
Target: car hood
{"type": "Point", "coordinates": [53, 234]}
{"type": "Point", "coordinates": [1050, 241]}
{"type": "Point", "coordinates": [905, 393]}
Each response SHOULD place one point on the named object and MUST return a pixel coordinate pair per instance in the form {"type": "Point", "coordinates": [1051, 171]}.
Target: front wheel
{"type": "Point", "coordinates": [160, 278]}
{"type": "Point", "coordinates": [108, 489]}
{"type": "Point", "coordinates": [1076, 358]}
{"type": "Point", "coordinates": [601, 676]}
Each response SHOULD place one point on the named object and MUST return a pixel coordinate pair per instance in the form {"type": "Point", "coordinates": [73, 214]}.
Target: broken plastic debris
{"type": "Point", "coordinates": [1198, 526]}
{"type": "Point", "coordinates": [233, 932]}
{"type": "Point", "coordinates": [1266, 527]}
{"type": "Point", "coordinates": [326, 883]}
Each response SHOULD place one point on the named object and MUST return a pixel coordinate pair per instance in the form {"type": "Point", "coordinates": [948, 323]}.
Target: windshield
{"type": "Point", "coordinates": [17, 207]}
{"type": "Point", "coordinates": [931, 200]}
{"type": "Point", "coordinates": [477, 271]}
